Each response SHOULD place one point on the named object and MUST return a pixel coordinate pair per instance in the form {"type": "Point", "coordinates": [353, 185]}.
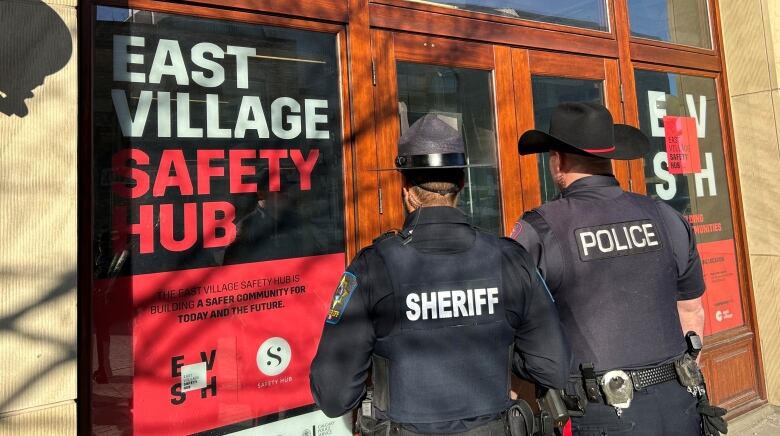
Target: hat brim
{"type": "Point", "coordinates": [630, 143]}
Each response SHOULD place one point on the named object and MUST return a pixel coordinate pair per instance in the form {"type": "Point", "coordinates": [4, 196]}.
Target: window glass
{"type": "Point", "coordinates": [549, 92]}
{"type": "Point", "coordinates": [590, 14]}
{"type": "Point", "coordinates": [463, 98]}
{"type": "Point", "coordinates": [686, 168]}
{"type": "Point", "coordinates": [218, 223]}
{"type": "Point", "coordinates": [685, 22]}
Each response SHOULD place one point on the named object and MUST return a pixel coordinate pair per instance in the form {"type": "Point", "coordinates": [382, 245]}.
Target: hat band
{"type": "Point", "coordinates": [436, 160]}
{"type": "Point", "coordinates": [599, 150]}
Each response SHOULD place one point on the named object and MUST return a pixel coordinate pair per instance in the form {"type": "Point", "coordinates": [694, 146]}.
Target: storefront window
{"type": "Point", "coordinates": [549, 92]}
{"type": "Point", "coordinates": [590, 14]}
{"type": "Point", "coordinates": [686, 168]}
{"type": "Point", "coordinates": [685, 22]}
{"type": "Point", "coordinates": [218, 223]}
{"type": "Point", "coordinates": [463, 98]}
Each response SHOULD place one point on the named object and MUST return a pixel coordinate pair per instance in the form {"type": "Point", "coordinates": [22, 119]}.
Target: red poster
{"type": "Point", "coordinates": [682, 145]}
{"type": "Point", "coordinates": [721, 299]}
{"type": "Point", "coordinates": [217, 346]}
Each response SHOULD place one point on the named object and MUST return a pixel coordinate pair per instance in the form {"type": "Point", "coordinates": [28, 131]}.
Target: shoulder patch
{"type": "Point", "coordinates": [341, 297]}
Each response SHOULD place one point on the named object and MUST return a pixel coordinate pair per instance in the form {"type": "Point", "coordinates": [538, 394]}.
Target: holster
{"type": "Point", "coordinates": [520, 419]}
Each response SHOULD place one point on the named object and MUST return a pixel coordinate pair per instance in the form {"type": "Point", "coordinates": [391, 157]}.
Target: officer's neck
{"type": "Point", "coordinates": [566, 179]}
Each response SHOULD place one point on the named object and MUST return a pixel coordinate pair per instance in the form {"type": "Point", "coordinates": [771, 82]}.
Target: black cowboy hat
{"type": "Point", "coordinates": [431, 143]}
{"type": "Point", "coordinates": [586, 128]}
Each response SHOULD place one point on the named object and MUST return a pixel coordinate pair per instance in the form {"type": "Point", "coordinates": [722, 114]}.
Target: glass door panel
{"type": "Point", "coordinates": [548, 92]}
{"type": "Point", "coordinates": [454, 80]}
{"type": "Point", "coordinates": [463, 98]}
{"type": "Point", "coordinates": [549, 80]}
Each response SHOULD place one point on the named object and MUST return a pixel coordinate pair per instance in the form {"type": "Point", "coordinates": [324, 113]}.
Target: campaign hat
{"type": "Point", "coordinates": [587, 129]}
{"type": "Point", "coordinates": [431, 143]}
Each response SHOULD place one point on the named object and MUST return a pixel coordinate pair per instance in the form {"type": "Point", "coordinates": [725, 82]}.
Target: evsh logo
{"type": "Point", "coordinates": [192, 377]}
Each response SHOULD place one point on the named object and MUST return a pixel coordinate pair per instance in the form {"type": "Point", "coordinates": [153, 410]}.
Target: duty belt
{"type": "Point", "coordinates": [643, 378]}
{"type": "Point", "coordinates": [617, 387]}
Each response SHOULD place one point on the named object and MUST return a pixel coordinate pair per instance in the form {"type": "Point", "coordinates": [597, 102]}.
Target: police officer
{"type": "Point", "coordinates": [437, 312]}
{"type": "Point", "coordinates": [626, 278]}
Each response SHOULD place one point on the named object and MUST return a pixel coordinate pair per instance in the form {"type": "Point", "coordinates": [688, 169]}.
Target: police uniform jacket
{"type": "Point", "coordinates": [616, 264]}
{"type": "Point", "coordinates": [377, 322]}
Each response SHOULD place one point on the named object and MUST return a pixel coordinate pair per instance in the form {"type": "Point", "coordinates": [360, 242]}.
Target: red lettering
{"type": "Point", "coordinates": [274, 167]}
{"type": "Point", "coordinates": [211, 223]}
{"type": "Point", "coordinates": [120, 167]}
{"type": "Point", "coordinates": [237, 171]}
{"type": "Point", "coordinates": [144, 229]}
{"type": "Point", "coordinates": [190, 227]}
{"type": "Point", "coordinates": [206, 171]}
{"type": "Point", "coordinates": [306, 166]}
{"type": "Point", "coordinates": [180, 179]}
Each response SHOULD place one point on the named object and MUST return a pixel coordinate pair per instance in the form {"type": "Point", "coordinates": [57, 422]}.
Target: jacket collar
{"type": "Point", "coordinates": [590, 183]}
{"type": "Point", "coordinates": [435, 215]}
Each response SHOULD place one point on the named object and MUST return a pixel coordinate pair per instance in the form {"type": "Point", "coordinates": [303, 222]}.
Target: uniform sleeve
{"type": "Point", "coordinates": [690, 278]}
{"type": "Point", "coordinates": [541, 352]}
{"type": "Point", "coordinates": [340, 367]}
{"type": "Point", "coordinates": [533, 233]}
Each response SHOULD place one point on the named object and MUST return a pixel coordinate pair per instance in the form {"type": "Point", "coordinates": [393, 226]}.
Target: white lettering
{"type": "Point", "coordinates": [587, 244]}
{"type": "Point", "coordinates": [164, 114]}
{"type": "Point", "coordinates": [412, 302]}
{"type": "Point", "coordinates": [459, 304]}
{"type": "Point", "coordinates": [707, 173]}
{"type": "Point", "coordinates": [428, 305]}
{"type": "Point", "coordinates": [444, 304]}
{"type": "Point", "coordinates": [649, 235]}
{"type": "Point", "coordinates": [313, 118]}
{"type": "Point", "coordinates": [132, 126]}
{"type": "Point", "coordinates": [492, 299]}
{"type": "Point", "coordinates": [656, 101]}
{"type": "Point", "coordinates": [251, 117]}
{"type": "Point", "coordinates": [242, 65]}
{"type": "Point", "coordinates": [666, 193]}
{"type": "Point", "coordinates": [160, 67]}
{"type": "Point", "coordinates": [633, 230]}
{"type": "Point", "coordinates": [217, 71]}
{"type": "Point", "coordinates": [212, 118]}
{"type": "Point", "coordinates": [617, 241]}
{"type": "Point", "coordinates": [451, 304]}
{"type": "Point", "coordinates": [294, 121]}
{"type": "Point", "coordinates": [183, 128]}
{"type": "Point", "coordinates": [599, 239]}
{"type": "Point", "coordinates": [122, 58]}
{"type": "Point", "coordinates": [700, 115]}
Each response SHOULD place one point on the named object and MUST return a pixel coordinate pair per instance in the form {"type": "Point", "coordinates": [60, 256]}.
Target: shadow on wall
{"type": "Point", "coordinates": [12, 326]}
{"type": "Point", "coordinates": [34, 43]}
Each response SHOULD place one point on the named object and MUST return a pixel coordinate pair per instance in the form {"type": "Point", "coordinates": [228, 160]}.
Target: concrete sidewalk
{"type": "Point", "coordinates": [762, 422]}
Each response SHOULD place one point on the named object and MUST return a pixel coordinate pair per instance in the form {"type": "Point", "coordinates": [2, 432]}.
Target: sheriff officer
{"type": "Point", "coordinates": [626, 278]}
{"type": "Point", "coordinates": [438, 312]}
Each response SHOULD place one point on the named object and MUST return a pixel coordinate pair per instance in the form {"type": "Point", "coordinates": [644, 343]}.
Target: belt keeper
{"type": "Point", "coordinates": [592, 389]}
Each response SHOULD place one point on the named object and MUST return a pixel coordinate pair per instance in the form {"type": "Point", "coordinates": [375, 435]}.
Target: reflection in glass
{"type": "Point", "coordinates": [464, 98]}
{"type": "Point", "coordinates": [217, 181]}
{"type": "Point", "coordinates": [589, 14]}
{"type": "Point", "coordinates": [685, 22]}
{"type": "Point", "coordinates": [549, 92]}
{"type": "Point", "coordinates": [686, 168]}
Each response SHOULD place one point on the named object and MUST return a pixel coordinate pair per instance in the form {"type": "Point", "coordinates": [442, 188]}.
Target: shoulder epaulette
{"type": "Point", "coordinates": [386, 235]}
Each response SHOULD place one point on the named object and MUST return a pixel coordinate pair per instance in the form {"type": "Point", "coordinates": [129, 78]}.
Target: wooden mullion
{"type": "Point", "coordinates": [510, 178]}
{"type": "Point", "coordinates": [442, 51]}
{"type": "Point", "coordinates": [387, 130]}
{"type": "Point", "coordinates": [366, 180]}
{"type": "Point", "coordinates": [524, 113]}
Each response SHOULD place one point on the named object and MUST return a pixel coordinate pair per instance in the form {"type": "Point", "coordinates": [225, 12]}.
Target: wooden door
{"type": "Point", "coordinates": [543, 80]}
{"type": "Point", "coordinates": [468, 85]}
